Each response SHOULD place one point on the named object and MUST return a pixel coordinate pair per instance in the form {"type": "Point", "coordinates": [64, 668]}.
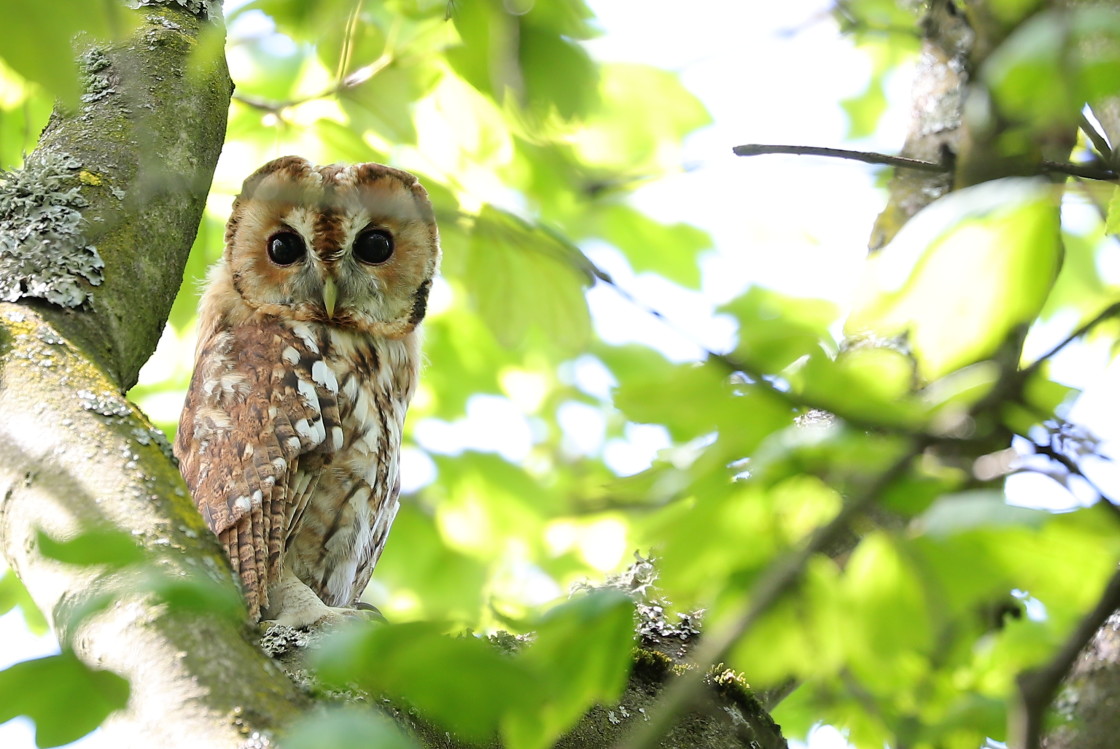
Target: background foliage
{"type": "Point", "coordinates": [532, 150]}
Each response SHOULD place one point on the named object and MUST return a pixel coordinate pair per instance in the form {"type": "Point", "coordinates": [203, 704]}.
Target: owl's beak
{"type": "Point", "coordinates": [330, 296]}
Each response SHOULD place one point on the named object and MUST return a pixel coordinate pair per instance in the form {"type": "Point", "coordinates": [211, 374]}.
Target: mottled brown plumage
{"type": "Point", "coordinates": [307, 357]}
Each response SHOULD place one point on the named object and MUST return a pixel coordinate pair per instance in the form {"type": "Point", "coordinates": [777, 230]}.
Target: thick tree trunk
{"type": "Point", "coordinates": [136, 159]}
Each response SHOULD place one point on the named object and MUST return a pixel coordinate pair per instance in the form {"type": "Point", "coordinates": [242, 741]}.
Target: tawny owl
{"type": "Point", "coordinates": [308, 354]}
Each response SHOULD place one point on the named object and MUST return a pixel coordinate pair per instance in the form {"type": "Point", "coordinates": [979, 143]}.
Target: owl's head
{"type": "Point", "coordinates": [351, 246]}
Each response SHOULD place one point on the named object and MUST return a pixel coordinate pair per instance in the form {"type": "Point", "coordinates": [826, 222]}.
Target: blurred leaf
{"type": "Point", "coordinates": [448, 584]}
{"type": "Point", "coordinates": [581, 655]}
{"type": "Point", "coordinates": [103, 546]}
{"type": "Point", "coordinates": [414, 662]}
{"type": "Point", "coordinates": [866, 109]}
{"type": "Point", "coordinates": [383, 104]}
{"type": "Point", "coordinates": [13, 594]}
{"type": "Point", "coordinates": [887, 611]}
{"type": "Point", "coordinates": [671, 250]}
{"type": "Point", "coordinates": [527, 283]}
{"type": "Point", "coordinates": [198, 593]}
{"type": "Point", "coordinates": [624, 136]}
{"type": "Point", "coordinates": [996, 245]}
{"type": "Point", "coordinates": [776, 330]}
{"type": "Point", "coordinates": [64, 697]}
{"type": "Point", "coordinates": [965, 511]}
{"type": "Point", "coordinates": [39, 39]}
{"type": "Point", "coordinates": [1112, 222]}
{"type": "Point", "coordinates": [23, 115]}
{"type": "Point", "coordinates": [1039, 57]}
{"type": "Point", "coordinates": [346, 728]}
{"type": "Point", "coordinates": [559, 76]}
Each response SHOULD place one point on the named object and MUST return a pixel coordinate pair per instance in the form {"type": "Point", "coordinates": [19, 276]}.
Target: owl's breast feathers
{"type": "Point", "coordinates": [285, 416]}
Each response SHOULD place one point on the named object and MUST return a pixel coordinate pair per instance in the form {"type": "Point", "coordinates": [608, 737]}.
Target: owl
{"type": "Point", "coordinates": [308, 354]}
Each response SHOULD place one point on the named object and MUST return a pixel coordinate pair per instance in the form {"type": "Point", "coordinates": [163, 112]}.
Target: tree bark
{"type": "Point", "coordinates": [74, 454]}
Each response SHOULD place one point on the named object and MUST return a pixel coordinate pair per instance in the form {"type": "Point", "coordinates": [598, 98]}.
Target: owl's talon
{"type": "Point", "coordinates": [372, 612]}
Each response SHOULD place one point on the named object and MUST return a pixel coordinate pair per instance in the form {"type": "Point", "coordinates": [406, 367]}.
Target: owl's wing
{"type": "Point", "coordinates": [260, 420]}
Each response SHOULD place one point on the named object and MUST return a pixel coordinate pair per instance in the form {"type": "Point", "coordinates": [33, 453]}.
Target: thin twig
{"type": "Point", "coordinates": [777, 580]}
{"type": "Point", "coordinates": [1037, 687]}
{"type": "Point", "coordinates": [1086, 171]}
{"type": "Point", "coordinates": [1108, 312]}
{"type": "Point", "coordinates": [867, 157]}
{"type": "Point", "coordinates": [1071, 466]}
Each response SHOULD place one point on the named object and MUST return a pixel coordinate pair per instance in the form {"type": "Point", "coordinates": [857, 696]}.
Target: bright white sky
{"type": "Point", "coordinates": [796, 224]}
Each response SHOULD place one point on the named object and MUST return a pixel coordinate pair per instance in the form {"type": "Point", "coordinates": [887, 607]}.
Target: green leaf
{"type": "Point", "coordinates": [887, 611]}
{"type": "Point", "coordinates": [964, 274]}
{"type": "Point", "coordinates": [1036, 78]}
{"type": "Point", "coordinates": [642, 121]}
{"type": "Point", "coordinates": [101, 546]}
{"type": "Point", "coordinates": [527, 284]}
{"type": "Point", "coordinates": [383, 104]}
{"type": "Point", "coordinates": [441, 676]}
{"type": "Point", "coordinates": [13, 594]}
{"type": "Point", "coordinates": [446, 583]}
{"type": "Point", "coordinates": [39, 39]}
{"type": "Point", "coordinates": [64, 697]}
{"type": "Point", "coordinates": [966, 511]}
{"type": "Point", "coordinates": [346, 728]}
{"type": "Point", "coordinates": [1112, 222]}
{"type": "Point", "coordinates": [775, 330]}
{"type": "Point", "coordinates": [671, 250]}
{"type": "Point", "coordinates": [581, 654]}
{"type": "Point", "coordinates": [559, 76]}
{"type": "Point", "coordinates": [198, 593]}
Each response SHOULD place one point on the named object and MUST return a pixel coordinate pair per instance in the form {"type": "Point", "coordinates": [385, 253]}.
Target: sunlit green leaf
{"type": "Point", "coordinates": [13, 594]}
{"type": "Point", "coordinates": [526, 284]}
{"type": "Point", "coordinates": [995, 245]}
{"type": "Point", "coordinates": [776, 330]}
{"type": "Point", "coordinates": [1037, 57]}
{"type": "Point", "coordinates": [559, 76]}
{"type": "Point", "coordinates": [66, 698]}
{"type": "Point", "coordinates": [670, 250]}
{"type": "Point", "coordinates": [1112, 222]}
{"type": "Point", "coordinates": [888, 612]}
{"type": "Point", "coordinates": [622, 135]}
{"type": "Point", "coordinates": [449, 583]}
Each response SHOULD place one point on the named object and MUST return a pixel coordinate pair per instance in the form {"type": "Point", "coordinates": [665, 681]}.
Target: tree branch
{"type": "Point", "coordinates": [1086, 171]}
{"type": "Point", "coordinates": [1037, 687]}
{"type": "Point", "coordinates": [867, 157]}
{"type": "Point", "coordinates": [139, 154]}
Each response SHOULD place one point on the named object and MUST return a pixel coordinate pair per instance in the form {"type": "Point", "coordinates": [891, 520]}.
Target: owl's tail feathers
{"type": "Point", "coordinates": [247, 564]}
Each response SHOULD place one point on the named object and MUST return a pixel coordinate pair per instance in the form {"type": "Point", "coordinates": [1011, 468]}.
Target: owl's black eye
{"type": "Point", "coordinates": [286, 247]}
{"type": "Point", "coordinates": [374, 246]}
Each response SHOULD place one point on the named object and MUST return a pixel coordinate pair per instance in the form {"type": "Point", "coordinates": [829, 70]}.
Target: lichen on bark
{"type": "Point", "coordinates": [42, 252]}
